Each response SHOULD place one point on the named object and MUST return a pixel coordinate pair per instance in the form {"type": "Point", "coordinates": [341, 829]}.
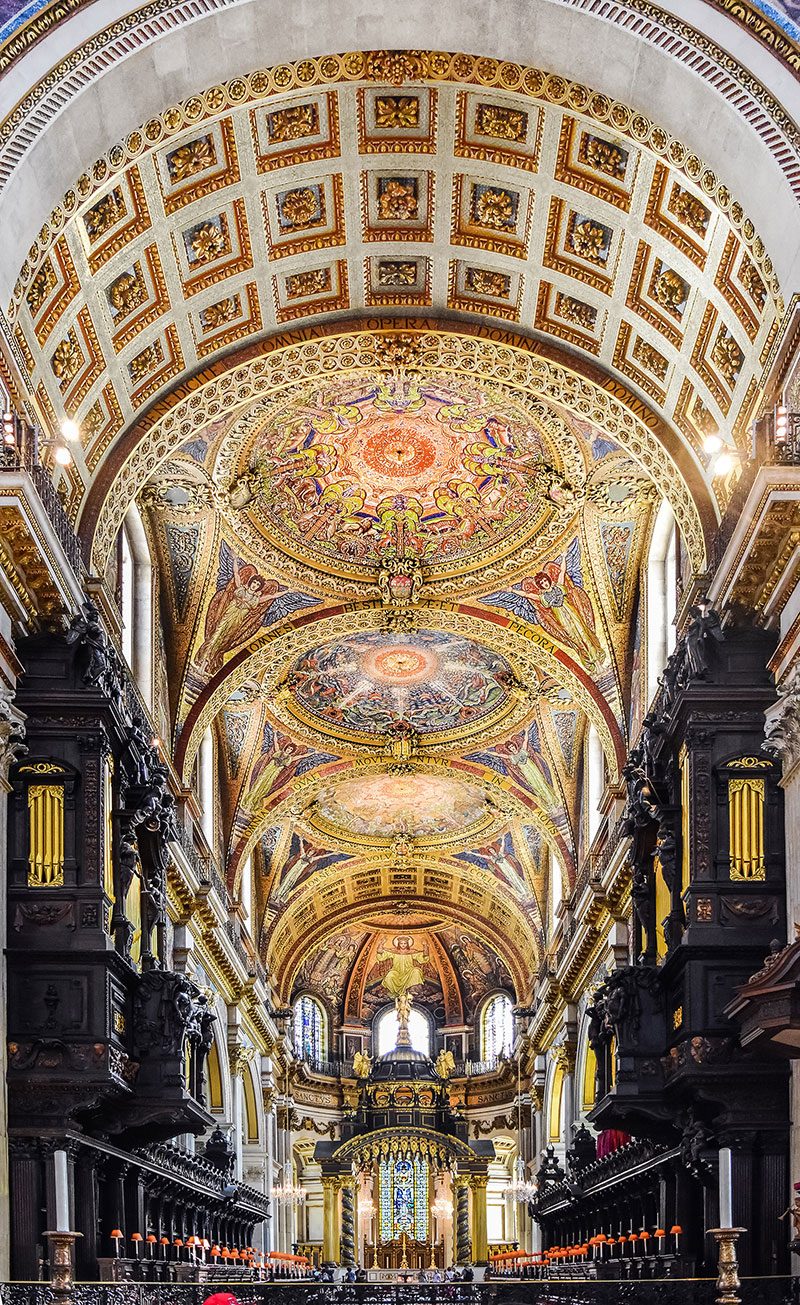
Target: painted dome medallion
{"type": "Point", "coordinates": [366, 684]}
{"type": "Point", "coordinates": [357, 472]}
{"type": "Point", "coordinates": [383, 806]}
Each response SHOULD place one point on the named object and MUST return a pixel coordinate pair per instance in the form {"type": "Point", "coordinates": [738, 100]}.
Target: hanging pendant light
{"type": "Point", "coordinates": [520, 1189]}
{"type": "Point", "coordinates": [288, 1193]}
{"type": "Point", "coordinates": [442, 1208]}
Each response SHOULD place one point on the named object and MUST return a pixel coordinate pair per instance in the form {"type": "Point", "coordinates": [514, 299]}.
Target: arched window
{"type": "Point", "coordinates": [496, 1027]}
{"type": "Point", "coordinates": [126, 585]}
{"type": "Point", "coordinates": [308, 1029]}
{"type": "Point", "coordinates": [419, 1031]}
{"type": "Point", "coordinates": [556, 889]}
{"type": "Point", "coordinates": [205, 785]}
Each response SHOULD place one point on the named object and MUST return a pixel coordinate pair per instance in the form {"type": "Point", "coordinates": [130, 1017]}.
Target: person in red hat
{"type": "Point", "coordinates": [221, 1298]}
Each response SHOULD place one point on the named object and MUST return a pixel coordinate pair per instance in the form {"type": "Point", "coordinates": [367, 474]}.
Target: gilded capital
{"type": "Point", "coordinates": [564, 1056]}
{"type": "Point", "coordinates": [240, 1057]}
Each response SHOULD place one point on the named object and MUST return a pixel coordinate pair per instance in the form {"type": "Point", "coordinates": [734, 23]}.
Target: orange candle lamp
{"type": "Point", "coordinates": [116, 1237]}
{"type": "Point", "coordinates": [136, 1238]}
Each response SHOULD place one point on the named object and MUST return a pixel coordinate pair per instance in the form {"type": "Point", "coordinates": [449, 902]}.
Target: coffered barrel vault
{"type": "Point", "coordinates": [322, 189]}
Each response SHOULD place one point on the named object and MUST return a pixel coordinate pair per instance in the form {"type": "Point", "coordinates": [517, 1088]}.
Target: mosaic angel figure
{"type": "Point", "coordinates": [564, 609]}
{"type": "Point", "coordinates": [237, 610]}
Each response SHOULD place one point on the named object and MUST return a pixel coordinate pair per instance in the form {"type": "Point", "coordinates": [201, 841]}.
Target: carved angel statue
{"type": "Point", "coordinates": [12, 731]}
{"type": "Point", "coordinates": [705, 625]}
{"type": "Point", "coordinates": [86, 630]}
{"type": "Point", "coordinates": [362, 1063]}
{"type": "Point", "coordinates": [445, 1064]}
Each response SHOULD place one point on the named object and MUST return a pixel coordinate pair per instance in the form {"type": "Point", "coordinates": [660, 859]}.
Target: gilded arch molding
{"type": "Point", "coordinates": [527, 648]}
{"type": "Point", "coordinates": [304, 926]}
{"type": "Point", "coordinates": [506, 803]}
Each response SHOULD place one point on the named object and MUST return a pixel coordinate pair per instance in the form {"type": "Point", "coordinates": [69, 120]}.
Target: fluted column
{"type": "Point", "coordinates": [347, 1241]}
{"type": "Point", "coordinates": [480, 1240]}
{"type": "Point", "coordinates": [538, 1142]}
{"type": "Point", "coordinates": [269, 1229]}
{"type": "Point", "coordinates": [565, 1056]}
{"type": "Point", "coordinates": [27, 1174]}
{"type": "Point", "coordinates": [330, 1218]}
{"type": "Point", "coordinates": [463, 1245]}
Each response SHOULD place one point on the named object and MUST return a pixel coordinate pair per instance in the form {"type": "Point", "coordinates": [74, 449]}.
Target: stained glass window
{"type": "Point", "coordinates": [404, 1199]}
{"type": "Point", "coordinates": [496, 1027]}
{"type": "Point", "coordinates": [308, 1029]}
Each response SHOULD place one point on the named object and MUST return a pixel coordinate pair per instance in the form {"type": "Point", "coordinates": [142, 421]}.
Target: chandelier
{"type": "Point", "coordinates": [520, 1189]}
{"type": "Point", "coordinates": [365, 1209]}
{"type": "Point", "coordinates": [442, 1208]}
{"type": "Point", "coordinates": [289, 1194]}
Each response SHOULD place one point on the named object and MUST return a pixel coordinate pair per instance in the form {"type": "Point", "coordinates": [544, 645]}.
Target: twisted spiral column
{"type": "Point", "coordinates": [463, 1247]}
{"type": "Point", "coordinates": [347, 1240]}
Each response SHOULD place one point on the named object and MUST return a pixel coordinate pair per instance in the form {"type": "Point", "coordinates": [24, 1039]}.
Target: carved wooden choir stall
{"type": "Point", "coordinates": [675, 1080]}
{"type": "Point", "coordinates": [106, 1045]}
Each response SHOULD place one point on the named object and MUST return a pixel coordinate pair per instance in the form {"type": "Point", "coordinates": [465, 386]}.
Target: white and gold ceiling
{"type": "Point", "coordinates": [398, 354]}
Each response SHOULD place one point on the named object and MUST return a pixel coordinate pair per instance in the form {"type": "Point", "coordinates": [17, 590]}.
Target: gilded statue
{"type": "Point", "coordinates": [445, 1064]}
{"type": "Point", "coordinates": [362, 1063]}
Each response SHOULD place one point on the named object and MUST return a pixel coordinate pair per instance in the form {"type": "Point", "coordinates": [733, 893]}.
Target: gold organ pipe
{"type": "Point", "coordinates": [46, 853]}
{"type": "Point", "coordinates": [746, 816]}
